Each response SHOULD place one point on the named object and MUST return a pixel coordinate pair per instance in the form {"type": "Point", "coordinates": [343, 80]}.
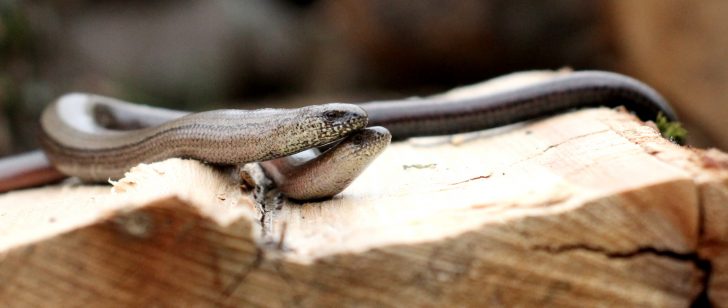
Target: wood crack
{"type": "Point", "coordinates": [240, 277]}
{"type": "Point", "coordinates": [702, 264]}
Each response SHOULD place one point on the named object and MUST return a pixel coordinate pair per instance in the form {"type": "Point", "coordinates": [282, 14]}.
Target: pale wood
{"type": "Point", "coordinates": [590, 208]}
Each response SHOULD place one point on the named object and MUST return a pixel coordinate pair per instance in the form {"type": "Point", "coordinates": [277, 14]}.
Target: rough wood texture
{"type": "Point", "coordinates": [583, 209]}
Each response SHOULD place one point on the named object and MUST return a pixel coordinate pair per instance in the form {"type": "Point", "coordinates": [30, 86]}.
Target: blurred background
{"type": "Point", "coordinates": [204, 54]}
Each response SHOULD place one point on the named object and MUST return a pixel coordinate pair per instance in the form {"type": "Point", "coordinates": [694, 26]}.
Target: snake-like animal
{"type": "Point", "coordinates": [97, 138]}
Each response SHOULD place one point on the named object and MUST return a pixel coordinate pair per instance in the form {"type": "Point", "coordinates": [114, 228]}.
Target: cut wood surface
{"type": "Point", "coordinates": [589, 208]}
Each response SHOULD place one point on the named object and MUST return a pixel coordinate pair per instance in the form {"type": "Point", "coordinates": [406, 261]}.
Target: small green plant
{"type": "Point", "coordinates": [671, 130]}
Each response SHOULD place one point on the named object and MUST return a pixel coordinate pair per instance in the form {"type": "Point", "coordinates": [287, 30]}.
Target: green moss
{"type": "Point", "coordinates": [671, 130]}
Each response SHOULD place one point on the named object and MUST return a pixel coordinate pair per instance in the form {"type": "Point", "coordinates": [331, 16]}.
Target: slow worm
{"type": "Point", "coordinates": [78, 142]}
{"type": "Point", "coordinates": [311, 175]}
{"type": "Point", "coordinates": [443, 116]}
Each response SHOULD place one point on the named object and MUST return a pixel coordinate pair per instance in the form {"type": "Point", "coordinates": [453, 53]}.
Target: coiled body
{"type": "Point", "coordinates": [327, 174]}
{"type": "Point", "coordinates": [78, 144]}
{"type": "Point", "coordinates": [81, 135]}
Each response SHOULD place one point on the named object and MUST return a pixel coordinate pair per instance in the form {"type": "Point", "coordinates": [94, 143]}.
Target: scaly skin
{"type": "Point", "coordinates": [331, 172]}
{"type": "Point", "coordinates": [78, 145]}
{"type": "Point", "coordinates": [81, 135]}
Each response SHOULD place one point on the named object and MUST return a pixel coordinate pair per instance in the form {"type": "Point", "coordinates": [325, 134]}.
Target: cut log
{"type": "Point", "coordinates": [587, 208]}
{"type": "Point", "coordinates": [582, 209]}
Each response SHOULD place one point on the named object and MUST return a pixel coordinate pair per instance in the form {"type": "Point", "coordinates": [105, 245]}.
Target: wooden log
{"type": "Point", "coordinates": [582, 209]}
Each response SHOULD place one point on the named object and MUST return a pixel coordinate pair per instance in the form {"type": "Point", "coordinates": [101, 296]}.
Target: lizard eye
{"type": "Point", "coordinates": [332, 115]}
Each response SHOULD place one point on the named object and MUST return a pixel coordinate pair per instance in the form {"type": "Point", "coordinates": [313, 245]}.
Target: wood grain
{"type": "Point", "coordinates": [589, 208]}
